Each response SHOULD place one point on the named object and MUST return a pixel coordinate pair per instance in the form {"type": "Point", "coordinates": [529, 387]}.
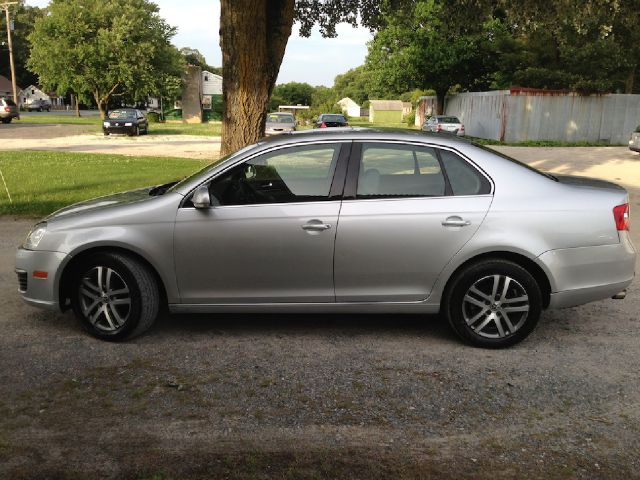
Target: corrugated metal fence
{"type": "Point", "coordinates": [516, 115]}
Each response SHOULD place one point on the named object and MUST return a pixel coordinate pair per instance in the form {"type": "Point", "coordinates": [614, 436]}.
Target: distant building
{"type": "Point", "coordinates": [211, 90]}
{"type": "Point", "coordinates": [292, 108]}
{"type": "Point", "coordinates": [388, 111]}
{"type": "Point", "coordinates": [6, 89]}
{"type": "Point", "coordinates": [32, 93]}
{"type": "Point", "coordinates": [349, 107]}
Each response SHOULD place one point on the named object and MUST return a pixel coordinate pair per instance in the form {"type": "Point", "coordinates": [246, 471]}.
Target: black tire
{"type": "Point", "coordinates": [6, 120]}
{"type": "Point", "coordinates": [135, 132]}
{"type": "Point", "coordinates": [113, 318]}
{"type": "Point", "coordinates": [488, 321]}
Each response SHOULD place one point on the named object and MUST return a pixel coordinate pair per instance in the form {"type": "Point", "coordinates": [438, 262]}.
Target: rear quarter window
{"type": "Point", "coordinates": [464, 178]}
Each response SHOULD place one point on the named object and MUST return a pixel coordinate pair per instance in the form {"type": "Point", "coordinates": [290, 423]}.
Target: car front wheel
{"type": "Point", "coordinates": [115, 296]}
{"type": "Point", "coordinates": [493, 304]}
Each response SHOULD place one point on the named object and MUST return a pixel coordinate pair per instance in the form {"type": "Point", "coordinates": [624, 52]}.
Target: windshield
{"type": "Point", "coordinates": [122, 114]}
{"type": "Point", "coordinates": [333, 118]}
{"type": "Point", "coordinates": [448, 120]}
{"type": "Point", "coordinates": [210, 166]}
{"type": "Point", "coordinates": [280, 119]}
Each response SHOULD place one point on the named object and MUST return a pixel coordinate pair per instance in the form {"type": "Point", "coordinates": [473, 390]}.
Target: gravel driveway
{"type": "Point", "coordinates": [288, 396]}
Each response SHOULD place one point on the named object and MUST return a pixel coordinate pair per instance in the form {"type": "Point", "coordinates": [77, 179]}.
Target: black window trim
{"type": "Point", "coordinates": [351, 186]}
{"type": "Point", "coordinates": [337, 183]}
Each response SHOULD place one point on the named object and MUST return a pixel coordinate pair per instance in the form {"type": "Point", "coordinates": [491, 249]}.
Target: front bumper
{"type": "Point", "coordinates": [40, 292]}
{"type": "Point", "coordinates": [586, 274]}
{"type": "Point", "coordinates": [120, 130]}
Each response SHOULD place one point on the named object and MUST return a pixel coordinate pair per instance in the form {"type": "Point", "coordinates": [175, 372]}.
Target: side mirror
{"type": "Point", "coordinates": [201, 197]}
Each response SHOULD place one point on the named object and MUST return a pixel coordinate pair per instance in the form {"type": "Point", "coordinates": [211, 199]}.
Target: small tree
{"type": "Point", "coordinates": [104, 49]}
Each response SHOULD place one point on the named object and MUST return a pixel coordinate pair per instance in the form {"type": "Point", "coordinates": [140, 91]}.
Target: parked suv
{"type": "Point", "coordinates": [39, 105]}
{"type": "Point", "coordinates": [8, 110]}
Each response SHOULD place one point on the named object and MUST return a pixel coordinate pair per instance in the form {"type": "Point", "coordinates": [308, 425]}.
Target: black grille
{"type": "Point", "coordinates": [22, 280]}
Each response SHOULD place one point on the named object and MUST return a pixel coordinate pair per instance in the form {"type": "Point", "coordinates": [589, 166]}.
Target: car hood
{"type": "Point", "coordinates": [587, 182]}
{"type": "Point", "coordinates": [101, 203]}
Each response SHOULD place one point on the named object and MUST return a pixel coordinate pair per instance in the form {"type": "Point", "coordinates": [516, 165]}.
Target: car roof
{"type": "Point", "coordinates": [365, 133]}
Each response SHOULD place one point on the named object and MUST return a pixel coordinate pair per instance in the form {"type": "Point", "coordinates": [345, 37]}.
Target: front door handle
{"type": "Point", "coordinates": [316, 226]}
{"type": "Point", "coordinates": [455, 221]}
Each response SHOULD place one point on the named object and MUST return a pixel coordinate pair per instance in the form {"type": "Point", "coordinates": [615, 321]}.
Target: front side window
{"type": "Point", "coordinates": [399, 171]}
{"type": "Point", "coordinates": [298, 174]}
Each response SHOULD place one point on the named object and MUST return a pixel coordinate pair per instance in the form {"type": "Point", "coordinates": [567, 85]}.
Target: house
{"type": "Point", "coordinates": [349, 107]}
{"type": "Point", "coordinates": [211, 90]}
{"type": "Point", "coordinates": [31, 93]}
{"type": "Point", "coordinates": [6, 89]}
{"type": "Point", "coordinates": [387, 111]}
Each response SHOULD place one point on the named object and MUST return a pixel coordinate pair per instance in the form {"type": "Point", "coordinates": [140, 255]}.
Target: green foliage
{"type": "Point", "coordinates": [153, 117]}
{"type": "Point", "coordinates": [294, 93]}
{"type": "Point", "coordinates": [192, 56]}
{"type": "Point", "coordinates": [353, 84]}
{"type": "Point", "coordinates": [24, 18]}
{"type": "Point", "coordinates": [411, 118]}
{"type": "Point", "coordinates": [105, 49]}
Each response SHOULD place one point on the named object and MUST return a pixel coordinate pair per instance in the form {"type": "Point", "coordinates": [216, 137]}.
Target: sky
{"type": "Point", "coordinates": [314, 60]}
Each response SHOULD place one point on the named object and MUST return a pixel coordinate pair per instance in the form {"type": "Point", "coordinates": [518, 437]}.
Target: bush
{"type": "Point", "coordinates": [153, 117]}
{"type": "Point", "coordinates": [411, 118]}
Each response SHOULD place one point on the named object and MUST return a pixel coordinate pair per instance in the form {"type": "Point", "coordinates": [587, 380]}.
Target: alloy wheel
{"type": "Point", "coordinates": [495, 306]}
{"type": "Point", "coordinates": [105, 299]}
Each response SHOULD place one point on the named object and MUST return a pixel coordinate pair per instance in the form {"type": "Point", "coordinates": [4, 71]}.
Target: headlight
{"type": "Point", "coordinates": [128, 124]}
{"type": "Point", "coordinates": [35, 235]}
{"type": "Point", "coordinates": [105, 124]}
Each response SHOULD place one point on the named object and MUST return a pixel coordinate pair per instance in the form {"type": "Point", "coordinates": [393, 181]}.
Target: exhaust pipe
{"type": "Point", "coordinates": [621, 295]}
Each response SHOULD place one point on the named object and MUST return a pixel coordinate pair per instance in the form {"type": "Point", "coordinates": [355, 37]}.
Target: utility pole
{"type": "Point", "coordinates": [5, 7]}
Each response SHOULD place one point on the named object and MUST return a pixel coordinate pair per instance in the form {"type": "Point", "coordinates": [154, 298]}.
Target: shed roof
{"type": "Point", "coordinates": [386, 104]}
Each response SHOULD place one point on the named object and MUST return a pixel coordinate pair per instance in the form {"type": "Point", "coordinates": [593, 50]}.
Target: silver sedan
{"type": "Point", "coordinates": [347, 220]}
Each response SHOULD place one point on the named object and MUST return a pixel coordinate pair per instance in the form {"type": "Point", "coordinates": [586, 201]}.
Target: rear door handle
{"type": "Point", "coordinates": [455, 221]}
{"type": "Point", "coordinates": [316, 227]}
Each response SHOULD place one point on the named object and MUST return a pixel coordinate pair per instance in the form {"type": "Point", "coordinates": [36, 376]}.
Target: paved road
{"type": "Point", "coordinates": [23, 135]}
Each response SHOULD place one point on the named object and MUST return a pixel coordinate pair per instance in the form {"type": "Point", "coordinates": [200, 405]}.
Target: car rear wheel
{"type": "Point", "coordinates": [493, 304]}
{"type": "Point", "coordinates": [6, 120]}
{"type": "Point", "coordinates": [115, 296]}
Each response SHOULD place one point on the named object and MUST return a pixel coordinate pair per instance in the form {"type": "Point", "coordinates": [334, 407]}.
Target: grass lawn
{"type": "Point", "coordinates": [60, 119]}
{"type": "Point", "coordinates": [42, 182]}
{"type": "Point", "coordinates": [211, 129]}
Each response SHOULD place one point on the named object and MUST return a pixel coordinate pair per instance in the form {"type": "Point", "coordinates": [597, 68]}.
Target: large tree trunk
{"type": "Point", "coordinates": [253, 38]}
{"type": "Point", "coordinates": [631, 80]}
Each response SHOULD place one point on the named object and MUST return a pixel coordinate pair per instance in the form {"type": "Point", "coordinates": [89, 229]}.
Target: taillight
{"type": "Point", "coordinates": [7, 109]}
{"type": "Point", "coordinates": [621, 216]}
{"type": "Point", "coordinates": [323, 125]}
{"type": "Point", "coordinates": [439, 128]}
{"type": "Point", "coordinates": [461, 128]}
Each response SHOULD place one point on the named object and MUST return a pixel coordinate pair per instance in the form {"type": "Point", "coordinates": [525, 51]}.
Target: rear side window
{"type": "Point", "coordinates": [463, 177]}
{"type": "Point", "coordinates": [388, 171]}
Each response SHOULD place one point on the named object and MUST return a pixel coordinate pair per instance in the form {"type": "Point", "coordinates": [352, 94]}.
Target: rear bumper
{"type": "Point", "coordinates": [586, 274]}
{"type": "Point", "coordinates": [634, 148]}
{"type": "Point", "coordinates": [39, 292]}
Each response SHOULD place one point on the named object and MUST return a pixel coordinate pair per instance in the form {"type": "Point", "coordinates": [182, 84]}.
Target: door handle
{"type": "Point", "coordinates": [455, 222]}
{"type": "Point", "coordinates": [316, 227]}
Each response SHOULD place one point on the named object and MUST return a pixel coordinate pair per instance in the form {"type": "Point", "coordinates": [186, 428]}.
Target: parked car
{"type": "Point", "coordinates": [339, 221]}
{"type": "Point", "coordinates": [444, 124]}
{"type": "Point", "coordinates": [130, 121]}
{"type": "Point", "coordinates": [634, 141]}
{"type": "Point", "coordinates": [331, 120]}
{"type": "Point", "coordinates": [38, 105]}
{"type": "Point", "coordinates": [280, 123]}
{"type": "Point", "coordinates": [8, 110]}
